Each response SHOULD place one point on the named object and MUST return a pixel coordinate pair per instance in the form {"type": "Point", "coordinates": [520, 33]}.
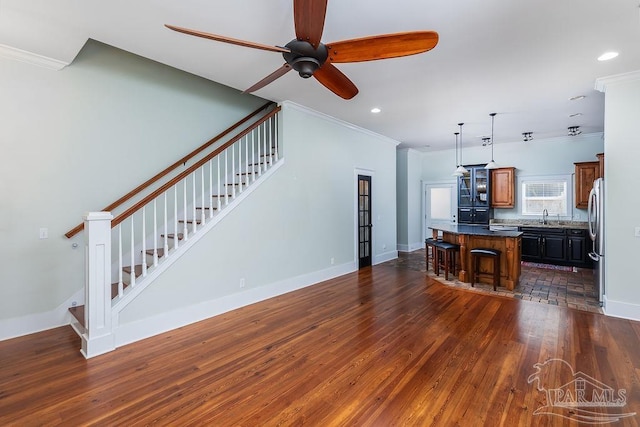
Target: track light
{"type": "Point", "coordinates": [574, 130]}
{"type": "Point", "coordinates": [486, 141]}
{"type": "Point", "coordinates": [527, 136]}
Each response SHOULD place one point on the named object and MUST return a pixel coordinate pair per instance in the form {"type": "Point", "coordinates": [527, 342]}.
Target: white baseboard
{"type": "Point", "coordinates": [411, 247]}
{"type": "Point", "coordinates": [145, 328]}
{"type": "Point", "coordinates": [384, 257]}
{"type": "Point", "coordinates": [621, 309]}
{"type": "Point", "coordinates": [32, 323]}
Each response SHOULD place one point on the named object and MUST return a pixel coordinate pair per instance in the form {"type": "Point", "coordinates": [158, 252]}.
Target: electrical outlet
{"type": "Point", "coordinates": [637, 232]}
{"type": "Point", "coordinates": [242, 282]}
{"type": "Point", "coordinates": [44, 233]}
{"type": "Point", "coordinates": [333, 261]}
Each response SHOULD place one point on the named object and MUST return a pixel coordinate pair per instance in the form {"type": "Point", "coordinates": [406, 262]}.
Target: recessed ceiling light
{"type": "Point", "coordinates": [607, 56]}
{"type": "Point", "coordinates": [375, 110]}
{"type": "Point", "coordinates": [577, 98]}
{"type": "Point", "coordinates": [575, 114]}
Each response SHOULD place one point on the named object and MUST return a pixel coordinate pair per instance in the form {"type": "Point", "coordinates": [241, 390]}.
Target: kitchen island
{"type": "Point", "coordinates": [480, 236]}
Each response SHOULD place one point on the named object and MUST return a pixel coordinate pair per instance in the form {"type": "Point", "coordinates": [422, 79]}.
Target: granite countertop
{"type": "Point", "coordinates": [474, 230]}
{"type": "Point", "coordinates": [551, 223]}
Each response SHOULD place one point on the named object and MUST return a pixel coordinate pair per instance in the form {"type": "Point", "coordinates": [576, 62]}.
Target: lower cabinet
{"type": "Point", "coordinates": [558, 246]}
{"type": "Point", "coordinates": [474, 215]}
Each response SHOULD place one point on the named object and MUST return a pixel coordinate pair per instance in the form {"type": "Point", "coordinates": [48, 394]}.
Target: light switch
{"type": "Point", "coordinates": [44, 233]}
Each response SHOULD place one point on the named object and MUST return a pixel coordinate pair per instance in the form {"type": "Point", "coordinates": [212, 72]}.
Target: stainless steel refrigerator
{"type": "Point", "coordinates": [595, 218]}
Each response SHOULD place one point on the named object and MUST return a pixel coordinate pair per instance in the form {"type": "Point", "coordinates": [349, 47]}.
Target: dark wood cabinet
{"type": "Point", "coordinates": [474, 195]}
{"type": "Point", "coordinates": [600, 157]}
{"type": "Point", "coordinates": [558, 246]}
{"type": "Point", "coordinates": [586, 173]}
{"type": "Point", "coordinates": [503, 188]}
{"type": "Point", "coordinates": [577, 247]}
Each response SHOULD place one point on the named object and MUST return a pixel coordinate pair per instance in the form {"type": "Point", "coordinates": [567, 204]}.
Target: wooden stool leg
{"type": "Point", "coordinates": [446, 265]}
{"type": "Point", "coordinates": [496, 272]}
{"type": "Point", "coordinates": [473, 270]}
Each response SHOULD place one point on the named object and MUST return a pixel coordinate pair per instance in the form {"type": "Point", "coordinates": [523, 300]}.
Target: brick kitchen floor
{"type": "Point", "coordinates": [574, 289]}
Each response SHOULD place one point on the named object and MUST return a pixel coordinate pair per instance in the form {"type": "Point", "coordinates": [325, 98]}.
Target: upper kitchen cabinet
{"type": "Point", "coordinates": [503, 187]}
{"type": "Point", "coordinates": [474, 196]}
{"type": "Point", "coordinates": [586, 173]}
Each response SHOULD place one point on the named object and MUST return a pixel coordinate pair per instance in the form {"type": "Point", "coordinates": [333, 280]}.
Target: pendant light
{"type": "Point", "coordinates": [460, 170]}
{"type": "Point", "coordinates": [492, 164]}
{"type": "Point", "coordinates": [455, 172]}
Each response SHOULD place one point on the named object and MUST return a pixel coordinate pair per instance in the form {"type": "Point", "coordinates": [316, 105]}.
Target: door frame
{"type": "Point", "coordinates": [371, 174]}
{"type": "Point", "coordinates": [425, 203]}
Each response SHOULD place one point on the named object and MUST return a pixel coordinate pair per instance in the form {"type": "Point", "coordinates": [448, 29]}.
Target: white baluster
{"type": "Point", "coordinates": [120, 266]}
{"type": "Point", "coordinates": [245, 177]}
{"type": "Point", "coordinates": [253, 157]}
{"type": "Point", "coordinates": [144, 241]}
{"type": "Point", "coordinates": [264, 143]}
{"type": "Point", "coordinates": [239, 176]}
{"type": "Point", "coordinates": [193, 202]}
{"type": "Point", "coordinates": [219, 193]}
{"type": "Point", "coordinates": [210, 188]}
{"type": "Point", "coordinates": [226, 179]}
{"type": "Point", "coordinates": [233, 170]}
{"type": "Point", "coordinates": [175, 217]}
{"type": "Point", "coordinates": [274, 130]}
{"type": "Point", "coordinates": [133, 254]}
{"type": "Point", "coordinates": [202, 217]}
{"type": "Point", "coordinates": [166, 228]}
{"type": "Point", "coordinates": [185, 230]}
{"type": "Point", "coordinates": [259, 158]}
{"type": "Point", "coordinates": [155, 232]}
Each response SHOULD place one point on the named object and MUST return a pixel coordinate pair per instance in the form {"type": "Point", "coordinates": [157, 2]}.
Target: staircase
{"type": "Point", "coordinates": [137, 245]}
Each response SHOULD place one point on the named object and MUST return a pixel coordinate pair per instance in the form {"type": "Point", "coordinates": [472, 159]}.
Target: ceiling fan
{"type": "Point", "coordinates": [309, 57]}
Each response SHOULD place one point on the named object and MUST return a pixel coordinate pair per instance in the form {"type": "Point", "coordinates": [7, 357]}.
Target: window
{"type": "Point", "coordinates": [539, 194]}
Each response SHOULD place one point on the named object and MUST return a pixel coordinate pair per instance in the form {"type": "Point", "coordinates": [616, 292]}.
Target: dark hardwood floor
{"type": "Point", "coordinates": [381, 347]}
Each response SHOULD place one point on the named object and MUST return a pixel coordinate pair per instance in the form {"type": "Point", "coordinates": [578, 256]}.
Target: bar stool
{"type": "Point", "coordinates": [446, 258]}
{"type": "Point", "coordinates": [430, 245]}
{"type": "Point", "coordinates": [475, 264]}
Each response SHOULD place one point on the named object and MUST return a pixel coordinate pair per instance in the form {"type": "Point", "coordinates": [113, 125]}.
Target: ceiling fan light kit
{"type": "Point", "coordinates": [309, 57]}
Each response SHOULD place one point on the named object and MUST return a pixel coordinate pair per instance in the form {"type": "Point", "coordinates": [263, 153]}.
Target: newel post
{"type": "Point", "coordinates": [98, 337]}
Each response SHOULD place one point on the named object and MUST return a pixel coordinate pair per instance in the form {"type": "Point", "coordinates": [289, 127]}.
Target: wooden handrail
{"type": "Point", "coordinates": [78, 228]}
{"type": "Point", "coordinates": [124, 215]}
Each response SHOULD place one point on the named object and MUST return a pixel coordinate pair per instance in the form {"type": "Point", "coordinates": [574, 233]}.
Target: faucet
{"type": "Point", "coordinates": [545, 215]}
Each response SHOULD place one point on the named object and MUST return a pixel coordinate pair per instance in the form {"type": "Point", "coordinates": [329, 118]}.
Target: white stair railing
{"type": "Point", "coordinates": [148, 234]}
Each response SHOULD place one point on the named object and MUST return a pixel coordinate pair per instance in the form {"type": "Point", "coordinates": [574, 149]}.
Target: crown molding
{"type": "Point", "coordinates": [31, 58]}
{"type": "Point", "coordinates": [603, 82]}
{"type": "Point", "coordinates": [289, 104]}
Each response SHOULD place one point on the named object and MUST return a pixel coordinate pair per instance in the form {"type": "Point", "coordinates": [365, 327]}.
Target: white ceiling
{"type": "Point", "coordinates": [521, 59]}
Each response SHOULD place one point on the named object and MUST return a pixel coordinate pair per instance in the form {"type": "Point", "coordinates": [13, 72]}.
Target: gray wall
{"type": "Point", "coordinates": [77, 139]}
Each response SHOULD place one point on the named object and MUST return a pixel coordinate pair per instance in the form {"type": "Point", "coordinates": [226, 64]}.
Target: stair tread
{"type": "Point", "coordinates": [173, 236]}
{"type": "Point", "coordinates": [160, 252]}
{"type": "Point", "coordinates": [78, 313]}
{"type": "Point", "coordinates": [189, 221]}
{"type": "Point", "coordinates": [138, 269]}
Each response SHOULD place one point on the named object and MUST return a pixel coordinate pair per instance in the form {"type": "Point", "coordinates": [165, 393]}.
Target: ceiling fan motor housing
{"type": "Point", "coordinates": [304, 58]}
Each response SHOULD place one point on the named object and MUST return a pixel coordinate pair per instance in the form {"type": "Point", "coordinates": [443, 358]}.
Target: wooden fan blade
{"type": "Point", "coordinates": [382, 47]}
{"type": "Point", "coordinates": [308, 17]}
{"type": "Point", "coordinates": [335, 81]}
{"type": "Point", "coordinates": [271, 77]}
{"type": "Point", "coordinates": [227, 39]}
